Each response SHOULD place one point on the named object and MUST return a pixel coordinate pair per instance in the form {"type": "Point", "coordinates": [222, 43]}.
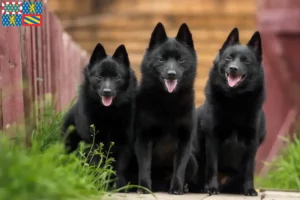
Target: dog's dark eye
{"type": "Point", "coordinates": [181, 60]}
{"type": "Point", "coordinates": [99, 77]}
{"type": "Point", "coordinates": [117, 77]}
{"type": "Point", "coordinates": [228, 58]}
{"type": "Point", "coordinates": [247, 61]}
{"type": "Point", "coordinates": [161, 59]}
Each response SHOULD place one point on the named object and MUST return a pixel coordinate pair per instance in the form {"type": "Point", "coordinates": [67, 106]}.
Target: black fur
{"type": "Point", "coordinates": [166, 118]}
{"type": "Point", "coordinates": [106, 77]}
{"type": "Point", "coordinates": [231, 123]}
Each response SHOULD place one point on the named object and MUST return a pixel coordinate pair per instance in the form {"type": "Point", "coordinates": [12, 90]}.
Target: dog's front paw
{"type": "Point", "coordinates": [144, 184]}
{"type": "Point", "coordinates": [121, 182]}
{"type": "Point", "coordinates": [250, 192]}
{"type": "Point", "coordinates": [142, 191]}
{"type": "Point", "coordinates": [125, 190]}
{"type": "Point", "coordinates": [176, 187]}
{"type": "Point", "coordinates": [186, 188]}
{"type": "Point", "coordinates": [212, 190]}
{"type": "Point", "coordinates": [176, 191]}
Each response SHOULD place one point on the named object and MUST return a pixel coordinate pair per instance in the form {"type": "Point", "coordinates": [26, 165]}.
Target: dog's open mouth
{"type": "Point", "coordinates": [170, 84]}
{"type": "Point", "coordinates": [107, 100]}
{"type": "Point", "coordinates": [234, 80]}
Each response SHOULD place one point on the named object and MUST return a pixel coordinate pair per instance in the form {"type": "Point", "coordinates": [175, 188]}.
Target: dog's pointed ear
{"type": "Point", "coordinates": [122, 55]}
{"type": "Point", "coordinates": [184, 35]}
{"type": "Point", "coordinates": [158, 35]}
{"type": "Point", "coordinates": [255, 44]}
{"type": "Point", "coordinates": [232, 39]}
{"type": "Point", "coordinates": [98, 54]}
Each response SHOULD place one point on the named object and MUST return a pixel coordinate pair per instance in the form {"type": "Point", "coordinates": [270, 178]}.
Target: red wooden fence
{"type": "Point", "coordinates": [279, 24]}
{"type": "Point", "coordinates": [35, 61]}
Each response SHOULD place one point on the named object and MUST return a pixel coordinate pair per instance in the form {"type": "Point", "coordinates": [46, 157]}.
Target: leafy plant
{"type": "Point", "coordinates": [285, 169]}
{"type": "Point", "coordinates": [44, 171]}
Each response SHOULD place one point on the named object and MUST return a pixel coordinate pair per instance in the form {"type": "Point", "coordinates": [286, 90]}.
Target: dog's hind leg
{"type": "Point", "coordinates": [234, 185]}
{"type": "Point", "coordinates": [195, 176]}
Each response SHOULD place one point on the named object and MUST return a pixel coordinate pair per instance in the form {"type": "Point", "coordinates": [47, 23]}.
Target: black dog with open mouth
{"type": "Point", "coordinates": [165, 112]}
{"type": "Point", "coordinates": [231, 123]}
{"type": "Point", "coordinates": [107, 101]}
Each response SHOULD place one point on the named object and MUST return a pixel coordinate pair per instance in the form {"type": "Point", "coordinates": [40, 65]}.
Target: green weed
{"type": "Point", "coordinates": [44, 172]}
{"type": "Point", "coordinates": [285, 169]}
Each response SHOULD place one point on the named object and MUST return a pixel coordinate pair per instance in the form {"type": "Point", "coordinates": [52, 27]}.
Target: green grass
{"type": "Point", "coordinates": [285, 169]}
{"type": "Point", "coordinates": [43, 171]}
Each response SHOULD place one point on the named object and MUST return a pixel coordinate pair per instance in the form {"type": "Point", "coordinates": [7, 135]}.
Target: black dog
{"type": "Point", "coordinates": [166, 114]}
{"type": "Point", "coordinates": [106, 100]}
{"type": "Point", "coordinates": [231, 123]}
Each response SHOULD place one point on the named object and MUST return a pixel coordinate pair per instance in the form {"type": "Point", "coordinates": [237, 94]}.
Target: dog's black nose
{"type": "Point", "coordinates": [106, 92]}
{"type": "Point", "coordinates": [171, 74]}
{"type": "Point", "coordinates": [233, 69]}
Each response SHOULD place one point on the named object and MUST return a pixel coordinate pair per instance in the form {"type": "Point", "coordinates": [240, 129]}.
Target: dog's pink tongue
{"type": "Point", "coordinates": [171, 85]}
{"type": "Point", "coordinates": [107, 101]}
{"type": "Point", "coordinates": [233, 80]}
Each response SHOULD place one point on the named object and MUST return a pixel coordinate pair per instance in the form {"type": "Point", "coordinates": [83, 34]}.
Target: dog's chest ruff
{"type": "Point", "coordinates": [164, 149]}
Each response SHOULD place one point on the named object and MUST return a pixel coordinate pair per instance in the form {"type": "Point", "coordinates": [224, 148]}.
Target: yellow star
{"type": "Point", "coordinates": [12, 20]}
{"type": "Point", "coordinates": [32, 8]}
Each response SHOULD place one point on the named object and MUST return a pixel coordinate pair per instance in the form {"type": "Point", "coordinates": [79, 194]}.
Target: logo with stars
{"type": "Point", "coordinates": [32, 14]}
{"type": "Point", "coordinates": [22, 13]}
{"type": "Point", "coordinates": [32, 7]}
{"type": "Point", "coordinates": [11, 20]}
{"type": "Point", "coordinates": [11, 13]}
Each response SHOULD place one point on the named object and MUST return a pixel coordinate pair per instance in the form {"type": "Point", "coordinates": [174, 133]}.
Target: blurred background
{"type": "Point", "coordinates": [113, 22]}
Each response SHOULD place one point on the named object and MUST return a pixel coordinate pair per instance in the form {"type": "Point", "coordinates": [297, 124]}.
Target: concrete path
{"type": "Point", "coordinates": [268, 195]}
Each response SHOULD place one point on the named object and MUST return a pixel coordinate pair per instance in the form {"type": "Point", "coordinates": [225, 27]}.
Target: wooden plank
{"type": "Point", "coordinates": [12, 94]}
{"type": "Point", "coordinates": [77, 71]}
{"type": "Point", "coordinates": [48, 44]}
{"type": "Point", "coordinates": [44, 48]}
{"type": "Point", "coordinates": [1, 106]}
{"type": "Point", "coordinates": [27, 82]}
{"type": "Point", "coordinates": [34, 72]}
{"type": "Point", "coordinates": [27, 61]}
{"type": "Point", "coordinates": [40, 77]}
{"type": "Point", "coordinates": [189, 196]}
{"type": "Point", "coordinates": [163, 196]}
{"type": "Point", "coordinates": [70, 59]}
{"type": "Point", "coordinates": [64, 82]}
{"type": "Point", "coordinates": [57, 60]}
{"type": "Point", "coordinates": [281, 195]}
{"type": "Point", "coordinates": [2, 73]}
{"type": "Point", "coordinates": [44, 66]}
